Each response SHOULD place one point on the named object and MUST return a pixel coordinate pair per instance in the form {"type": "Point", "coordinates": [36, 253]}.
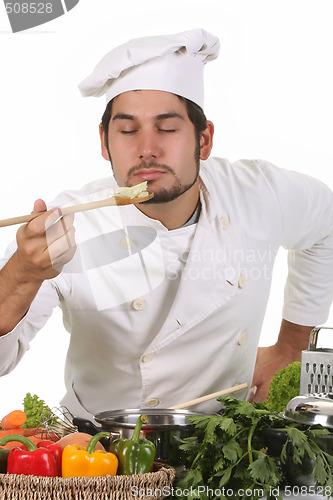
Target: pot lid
{"type": "Point", "coordinates": [158, 418]}
{"type": "Point", "coordinates": [311, 409]}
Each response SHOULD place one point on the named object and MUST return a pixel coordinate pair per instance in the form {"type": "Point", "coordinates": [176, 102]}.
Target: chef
{"type": "Point", "coordinates": [164, 300]}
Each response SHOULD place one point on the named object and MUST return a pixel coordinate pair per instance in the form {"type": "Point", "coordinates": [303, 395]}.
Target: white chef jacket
{"type": "Point", "coordinates": [159, 317]}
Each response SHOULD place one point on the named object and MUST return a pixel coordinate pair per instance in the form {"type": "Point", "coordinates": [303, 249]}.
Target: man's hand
{"type": "Point", "coordinates": [269, 360]}
{"type": "Point", "coordinates": [293, 339]}
{"type": "Point", "coordinates": [44, 246]}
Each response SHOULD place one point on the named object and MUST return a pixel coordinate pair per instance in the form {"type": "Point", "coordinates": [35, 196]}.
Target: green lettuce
{"type": "Point", "coordinates": [283, 387]}
{"type": "Point", "coordinates": [34, 407]}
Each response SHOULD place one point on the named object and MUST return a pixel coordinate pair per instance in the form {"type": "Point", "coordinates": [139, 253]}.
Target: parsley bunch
{"type": "Point", "coordinates": [229, 452]}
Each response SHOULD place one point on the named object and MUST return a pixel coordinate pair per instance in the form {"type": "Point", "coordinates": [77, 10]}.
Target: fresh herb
{"type": "Point", "coordinates": [35, 409]}
{"type": "Point", "coordinates": [229, 453]}
{"type": "Point", "coordinates": [283, 387]}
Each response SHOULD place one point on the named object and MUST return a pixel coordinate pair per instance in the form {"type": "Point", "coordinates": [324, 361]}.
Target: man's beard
{"type": "Point", "coordinates": [164, 195]}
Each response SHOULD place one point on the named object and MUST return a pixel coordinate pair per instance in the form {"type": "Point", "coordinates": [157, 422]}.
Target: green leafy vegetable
{"type": "Point", "coordinates": [34, 408]}
{"type": "Point", "coordinates": [283, 387]}
{"type": "Point", "coordinates": [230, 452]}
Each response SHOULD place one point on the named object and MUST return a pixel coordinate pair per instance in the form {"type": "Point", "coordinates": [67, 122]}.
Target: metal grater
{"type": "Point", "coordinates": [316, 367]}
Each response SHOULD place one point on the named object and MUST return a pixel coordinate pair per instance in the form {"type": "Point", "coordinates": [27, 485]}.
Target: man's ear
{"type": "Point", "coordinates": [104, 149]}
{"type": "Point", "coordinates": [206, 141]}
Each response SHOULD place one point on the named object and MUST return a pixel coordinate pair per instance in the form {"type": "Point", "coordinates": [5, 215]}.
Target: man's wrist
{"type": "Point", "coordinates": [19, 277]}
{"type": "Point", "coordinates": [17, 291]}
{"type": "Point", "coordinates": [293, 339]}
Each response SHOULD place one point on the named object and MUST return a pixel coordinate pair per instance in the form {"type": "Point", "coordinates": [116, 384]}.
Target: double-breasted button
{"type": "Point", "coordinates": [242, 281]}
{"type": "Point", "coordinates": [147, 357]}
{"type": "Point", "coordinates": [125, 243]}
{"type": "Point", "coordinates": [139, 304]}
{"type": "Point", "coordinates": [152, 402]}
{"type": "Point", "coordinates": [225, 222]}
{"type": "Point", "coordinates": [242, 338]}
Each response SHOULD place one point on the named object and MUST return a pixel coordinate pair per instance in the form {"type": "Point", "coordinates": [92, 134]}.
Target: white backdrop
{"type": "Point", "coordinates": [269, 95]}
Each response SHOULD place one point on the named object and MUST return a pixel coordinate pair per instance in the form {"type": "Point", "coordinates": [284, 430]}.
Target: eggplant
{"type": "Point", "coordinates": [3, 460]}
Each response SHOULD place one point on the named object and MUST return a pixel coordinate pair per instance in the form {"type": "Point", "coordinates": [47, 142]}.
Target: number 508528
{"type": "Point", "coordinates": [306, 491]}
{"type": "Point", "coordinates": [28, 8]}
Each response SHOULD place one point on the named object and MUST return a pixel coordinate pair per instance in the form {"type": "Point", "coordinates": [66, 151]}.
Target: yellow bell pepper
{"type": "Point", "coordinates": [78, 461]}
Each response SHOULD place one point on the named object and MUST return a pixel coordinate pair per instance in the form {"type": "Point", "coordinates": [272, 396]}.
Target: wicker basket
{"type": "Point", "coordinates": [138, 486]}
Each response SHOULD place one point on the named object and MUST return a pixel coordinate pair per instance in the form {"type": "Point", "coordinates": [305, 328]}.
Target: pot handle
{"type": "Point", "coordinates": [85, 425]}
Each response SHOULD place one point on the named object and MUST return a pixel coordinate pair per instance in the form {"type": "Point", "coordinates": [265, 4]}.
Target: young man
{"type": "Point", "coordinates": [165, 300]}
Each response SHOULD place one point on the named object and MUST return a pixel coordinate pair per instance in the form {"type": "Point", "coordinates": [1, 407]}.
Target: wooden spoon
{"type": "Point", "coordinates": [112, 201]}
{"type": "Point", "coordinates": [208, 397]}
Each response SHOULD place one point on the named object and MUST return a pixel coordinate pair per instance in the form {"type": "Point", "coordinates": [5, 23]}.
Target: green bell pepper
{"type": "Point", "coordinates": [135, 455]}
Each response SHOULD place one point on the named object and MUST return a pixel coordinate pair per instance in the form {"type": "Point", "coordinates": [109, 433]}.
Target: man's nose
{"type": "Point", "coordinates": [148, 146]}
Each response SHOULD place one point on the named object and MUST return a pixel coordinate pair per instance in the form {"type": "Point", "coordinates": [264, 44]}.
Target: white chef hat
{"type": "Point", "coordinates": [173, 63]}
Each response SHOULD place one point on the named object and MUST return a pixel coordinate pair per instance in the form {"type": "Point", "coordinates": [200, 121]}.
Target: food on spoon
{"type": "Point", "coordinates": [14, 419]}
{"type": "Point", "coordinates": [137, 191]}
{"type": "Point", "coordinates": [283, 387]}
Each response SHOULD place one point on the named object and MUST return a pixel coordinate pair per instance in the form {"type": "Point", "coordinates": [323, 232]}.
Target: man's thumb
{"type": "Point", "coordinates": [39, 206]}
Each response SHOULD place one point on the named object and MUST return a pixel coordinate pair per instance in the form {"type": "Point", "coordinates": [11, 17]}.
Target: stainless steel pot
{"type": "Point", "coordinates": [165, 428]}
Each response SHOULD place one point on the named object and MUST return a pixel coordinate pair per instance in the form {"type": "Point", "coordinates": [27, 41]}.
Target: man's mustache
{"type": "Point", "coordinates": [151, 164]}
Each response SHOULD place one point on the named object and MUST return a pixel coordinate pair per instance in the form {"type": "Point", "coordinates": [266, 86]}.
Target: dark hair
{"type": "Point", "coordinates": [194, 112]}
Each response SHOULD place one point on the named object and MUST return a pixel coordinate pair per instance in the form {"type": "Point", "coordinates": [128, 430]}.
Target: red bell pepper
{"type": "Point", "coordinates": [56, 451]}
{"type": "Point", "coordinates": [30, 461]}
